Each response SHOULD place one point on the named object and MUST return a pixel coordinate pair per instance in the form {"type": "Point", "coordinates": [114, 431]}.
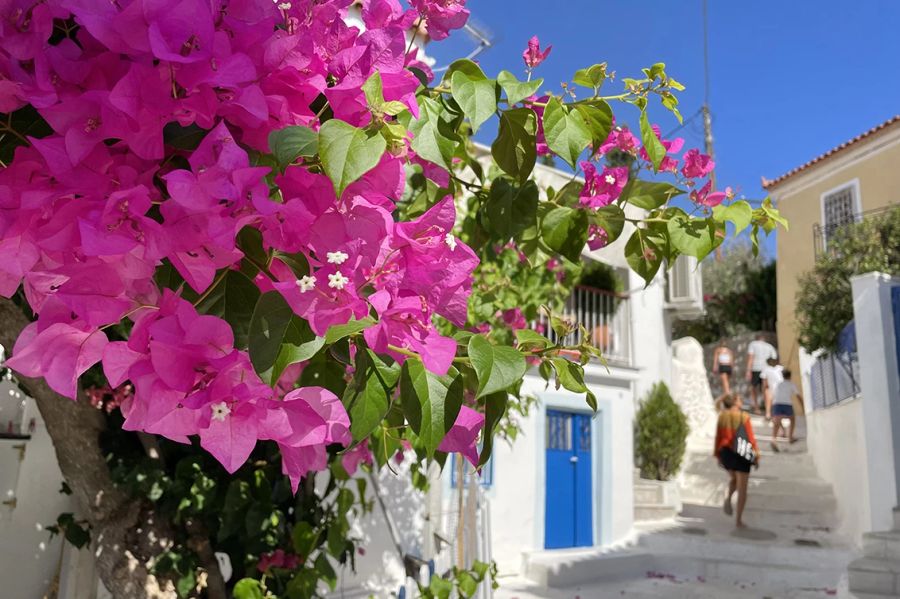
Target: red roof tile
{"type": "Point", "coordinates": [769, 184]}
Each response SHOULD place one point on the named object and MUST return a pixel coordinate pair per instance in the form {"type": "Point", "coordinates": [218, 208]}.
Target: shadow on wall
{"type": "Point", "coordinates": [738, 345]}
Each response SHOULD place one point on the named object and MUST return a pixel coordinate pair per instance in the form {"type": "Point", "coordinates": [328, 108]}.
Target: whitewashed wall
{"type": "Point", "coordinates": [28, 559]}
{"type": "Point", "coordinates": [518, 493]}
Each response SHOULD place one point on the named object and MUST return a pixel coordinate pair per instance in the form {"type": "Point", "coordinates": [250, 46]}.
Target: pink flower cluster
{"type": "Point", "coordinates": [601, 189]}
{"type": "Point", "coordinates": [90, 212]}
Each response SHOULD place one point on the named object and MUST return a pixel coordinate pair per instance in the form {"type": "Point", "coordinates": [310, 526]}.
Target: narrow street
{"type": "Point", "coordinates": [790, 548]}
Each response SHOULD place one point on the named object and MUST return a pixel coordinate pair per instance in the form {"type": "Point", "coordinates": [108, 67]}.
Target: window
{"type": "Point", "coordinates": [840, 207]}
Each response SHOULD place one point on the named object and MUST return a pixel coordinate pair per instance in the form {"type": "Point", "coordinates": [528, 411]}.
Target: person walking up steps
{"type": "Point", "coordinates": [758, 353]}
{"type": "Point", "coordinates": [737, 451]}
{"type": "Point", "coordinates": [723, 365]}
{"type": "Point", "coordinates": [783, 407]}
{"type": "Point", "coordinates": [771, 377]}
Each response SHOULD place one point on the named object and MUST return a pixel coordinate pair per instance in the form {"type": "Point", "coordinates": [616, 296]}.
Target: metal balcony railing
{"type": "Point", "coordinates": [607, 317]}
{"type": "Point", "coordinates": [822, 233]}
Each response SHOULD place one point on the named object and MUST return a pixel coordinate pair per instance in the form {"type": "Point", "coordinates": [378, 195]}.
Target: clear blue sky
{"type": "Point", "coordinates": [789, 79]}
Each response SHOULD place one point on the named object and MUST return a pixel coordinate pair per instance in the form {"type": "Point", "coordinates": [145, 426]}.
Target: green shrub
{"type": "Point", "coordinates": [661, 431]}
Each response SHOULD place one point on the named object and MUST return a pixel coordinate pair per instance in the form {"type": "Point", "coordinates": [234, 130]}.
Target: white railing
{"type": "Point", "coordinates": [607, 317]}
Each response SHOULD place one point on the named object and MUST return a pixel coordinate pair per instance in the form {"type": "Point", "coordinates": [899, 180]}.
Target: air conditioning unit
{"type": "Point", "coordinates": [684, 293]}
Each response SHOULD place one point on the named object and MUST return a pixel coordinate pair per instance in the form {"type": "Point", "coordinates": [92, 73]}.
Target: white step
{"type": "Point", "coordinates": [880, 576]}
{"type": "Point", "coordinates": [763, 516]}
{"type": "Point", "coordinates": [646, 493]}
{"type": "Point", "coordinates": [883, 545]}
{"type": "Point", "coordinates": [569, 567]}
{"type": "Point", "coordinates": [803, 487]}
{"type": "Point", "coordinates": [644, 512]}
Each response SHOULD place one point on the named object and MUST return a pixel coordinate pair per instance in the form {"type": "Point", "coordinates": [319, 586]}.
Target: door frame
{"type": "Point", "coordinates": [601, 459]}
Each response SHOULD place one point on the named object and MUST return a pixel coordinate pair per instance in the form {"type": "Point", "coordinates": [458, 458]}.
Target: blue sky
{"type": "Point", "coordinates": [789, 80]}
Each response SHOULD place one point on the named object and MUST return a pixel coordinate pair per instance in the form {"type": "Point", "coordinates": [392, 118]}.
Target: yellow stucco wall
{"type": "Point", "coordinates": [879, 185]}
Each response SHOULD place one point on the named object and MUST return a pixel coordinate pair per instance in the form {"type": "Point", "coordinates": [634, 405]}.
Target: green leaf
{"type": "Point", "coordinates": [347, 153]}
{"type": "Point", "coordinates": [648, 195]}
{"type": "Point", "coordinates": [693, 236]}
{"type": "Point", "coordinates": [565, 230]}
{"type": "Point", "coordinates": [430, 140]}
{"type": "Point", "coordinates": [326, 571]}
{"type": "Point", "coordinates": [511, 210]}
{"type": "Point", "coordinates": [654, 147]}
{"type": "Point", "coordinates": [591, 77]}
{"type": "Point", "coordinates": [476, 97]}
{"type": "Point", "coordinates": [465, 66]}
{"type": "Point", "coordinates": [740, 213]}
{"type": "Point", "coordinates": [494, 409]}
{"type": "Point", "coordinates": [611, 218]}
{"type": "Point", "coordinates": [248, 588]}
{"type": "Point", "coordinates": [304, 538]}
{"type": "Point", "coordinates": [643, 255]}
{"type": "Point", "coordinates": [565, 131]}
{"type": "Point", "coordinates": [278, 337]}
{"type": "Point", "coordinates": [368, 396]}
{"type": "Point", "coordinates": [339, 331]}
{"type": "Point", "coordinates": [430, 403]}
{"type": "Point", "coordinates": [186, 584]}
{"type": "Point", "coordinates": [299, 344]}
{"type": "Point", "coordinates": [515, 149]}
{"type": "Point", "coordinates": [529, 339]}
{"type": "Point", "coordinates": [467, 585]}
{"type": "Point", "coordinates": [291, 142]}
{"type": "Point", "coordinates": [598, 117]}
{"type": "Point", "coordinates": [497, 367]}
{"type": "Point", "coordinates": [516, 90]}
{"type": "Point", "coordinates": [234, 301]}
{"type": "Point", "coordinates": [570, 374]}
{"type": "Point", "coordinates": [373, 89]}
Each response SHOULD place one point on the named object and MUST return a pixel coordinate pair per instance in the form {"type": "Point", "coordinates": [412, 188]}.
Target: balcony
{"type": "Point", "coordinates": [822, 233]}
{"type": "Point", "coordinates": [607, 317]}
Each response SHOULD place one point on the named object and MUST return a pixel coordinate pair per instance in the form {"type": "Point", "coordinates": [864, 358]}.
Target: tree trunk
{"type": "Point", "coordinates": [124, 531]}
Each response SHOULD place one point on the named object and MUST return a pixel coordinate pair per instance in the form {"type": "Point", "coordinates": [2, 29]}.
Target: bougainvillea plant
{"type": "Point", "coordinates": [274, 228]}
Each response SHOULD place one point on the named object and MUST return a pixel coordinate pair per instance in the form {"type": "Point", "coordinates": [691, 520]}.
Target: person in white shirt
{"type": "Point", "coordinates": [783, 406]}
{"type": "Point", "coordinates": [758, 353]}
{"type": "Point", "coordinates": [771, 376]}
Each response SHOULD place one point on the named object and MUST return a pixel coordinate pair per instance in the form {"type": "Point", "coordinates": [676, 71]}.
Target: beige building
{"type": "Point", "coordinates": [858, 177]}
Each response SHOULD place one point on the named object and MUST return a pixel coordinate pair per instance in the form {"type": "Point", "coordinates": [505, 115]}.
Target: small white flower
{"type": "Point", "coordinates": [337, 280]}
{"type": "Point", "coordinates": [220, 411]}
{"type": "Point", "coordinates": [285, 6]}
{"type": "Point", "coordinates": [450, 240]}
{"type": "Point", "coordinates": [610, 179]}
{"type": "Point", "coordinates": [306, 283]}
{"type": "Point", "coordinates": [337, 257]}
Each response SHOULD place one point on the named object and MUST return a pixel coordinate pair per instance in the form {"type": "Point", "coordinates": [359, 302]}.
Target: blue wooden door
{"type": "Point", "coordinates": [569, 510]}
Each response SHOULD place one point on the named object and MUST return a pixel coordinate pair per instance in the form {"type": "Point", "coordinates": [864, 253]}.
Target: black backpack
{"type": "Point", "coordinates": [741, 444]}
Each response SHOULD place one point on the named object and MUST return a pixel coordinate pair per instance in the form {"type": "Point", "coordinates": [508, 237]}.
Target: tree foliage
{"type": "Point", "coordinates": [661, 431]}
{"type": "Point", "coordinates": [825, 301]}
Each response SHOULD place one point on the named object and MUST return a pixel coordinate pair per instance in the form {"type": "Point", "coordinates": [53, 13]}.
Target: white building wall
{"type": "Point", "coordinates": [28, 559]}
{"type": "Point", "coordinates": [517, 496]}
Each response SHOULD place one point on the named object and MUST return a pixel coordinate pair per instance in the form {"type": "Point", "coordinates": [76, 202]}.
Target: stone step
{"type": "Point", "coordinates": [758, 485]}
{"type": "Point", "coordinates": [563, 568]}
{"type": "Point", "coordinates": [648, 493]}
{"type": "Point", "coordinates": [880, 576]}
{"type": "Point", "coordinates": [644, 512]}
{"type": "Point", "coordinates": [761, 499]}
{"type": "Point", "coordinates": [757, 515]}
{"type": "Point", "coordinates": [769, 469]}
{"type": "Point", "coordinates": [757, 548]}
{"type": "Point", "coordinates": [883, 545]}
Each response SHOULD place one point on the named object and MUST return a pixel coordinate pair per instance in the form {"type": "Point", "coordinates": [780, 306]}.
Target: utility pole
{"type": "Point", "coordinates": [707, 114]}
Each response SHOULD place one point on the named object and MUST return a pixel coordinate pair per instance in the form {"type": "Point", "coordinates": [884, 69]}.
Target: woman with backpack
{"type": "Point", "coordinates": [736, 451]}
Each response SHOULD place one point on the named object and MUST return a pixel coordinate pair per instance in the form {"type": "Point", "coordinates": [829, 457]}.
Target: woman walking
{"type": "Point", "coordinates": [723, 365]}
{"type": "Point", "coordinates": [736, 451]}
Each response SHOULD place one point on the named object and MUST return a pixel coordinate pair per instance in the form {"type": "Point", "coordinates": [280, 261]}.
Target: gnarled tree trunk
{"type": "Point", "coordinates": [124, 531]}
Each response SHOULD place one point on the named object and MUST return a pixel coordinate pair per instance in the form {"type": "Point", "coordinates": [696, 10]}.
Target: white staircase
{"type": "Point", "coordinates": [790, 544]}
{"type": "Point", "coordinates": [876, 575]}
